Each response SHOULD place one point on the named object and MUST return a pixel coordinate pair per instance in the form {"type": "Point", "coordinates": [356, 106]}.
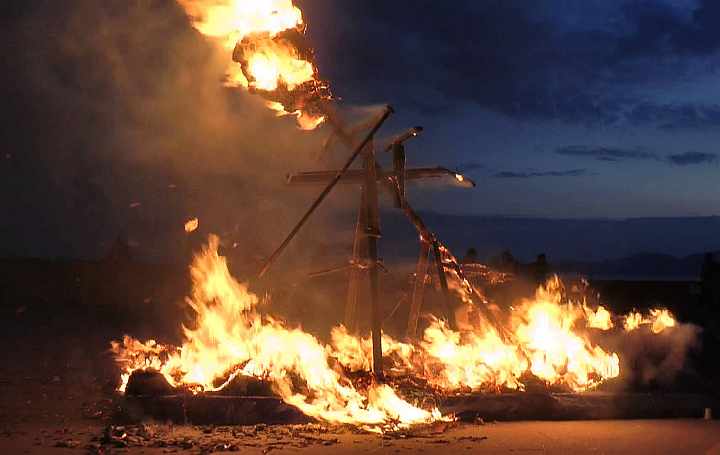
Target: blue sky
{"type": "Point", "coordinates": [508, 90]}
{"type": "Point", "coordinates": [115, 120]}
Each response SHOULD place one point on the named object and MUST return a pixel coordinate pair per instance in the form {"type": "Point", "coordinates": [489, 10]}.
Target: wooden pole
{"type": "Point", "coordinates": [418, 289]}
{"type": "Point", "coordinates": [444, 286]}
{"type": "Point", "coordinates": [356, 272]}
{"type": "Point", "coordinates": [372, 232]}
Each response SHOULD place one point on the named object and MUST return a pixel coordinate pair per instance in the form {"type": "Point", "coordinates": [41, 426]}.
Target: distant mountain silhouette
{"type": "Point", "coordinates": [663, 247]}
{"type": "Point", "coordinates": [637, 266]}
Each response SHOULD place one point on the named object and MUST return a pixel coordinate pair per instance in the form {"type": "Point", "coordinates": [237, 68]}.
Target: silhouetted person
{"type": "Point", "coordinates": [541, 269]}
{"type": "Point", "coordinates": [710, 283]}
{"type": "Point", "coordinates": [508, 263]}
{"type": "Point", "coordinates": [471, 256]}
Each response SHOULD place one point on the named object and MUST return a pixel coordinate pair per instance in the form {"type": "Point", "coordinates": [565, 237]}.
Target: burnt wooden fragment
{"type": "Point", "coordinates": [234, 405]}
{"type": "Point", "coordinates": [148, 383]}
{"type": "Point", "coordinates": [248, 386]}
{"type": "Point", "coordinates": [244, 400]}
{"type": "Point", "coordinates": [207, 409]}
{"type": "Point", "coordinates": [581, 406]}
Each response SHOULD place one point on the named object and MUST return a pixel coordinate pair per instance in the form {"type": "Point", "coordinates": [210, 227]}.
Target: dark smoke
{"type": "Point", "coordinates": [660, 358]}
{"type": "Point", "coordinates": [117, 124]}
{"type": "Point", "coordinates": [649, 360]}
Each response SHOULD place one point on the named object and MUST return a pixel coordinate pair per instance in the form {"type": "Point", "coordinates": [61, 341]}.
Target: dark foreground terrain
{"type": "Point", "coordinates": [57, 395]}
{"type": "Point", "coordinates": [596, 437]}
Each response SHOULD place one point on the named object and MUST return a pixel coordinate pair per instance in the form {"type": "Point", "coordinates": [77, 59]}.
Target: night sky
{"type": "Point", "coordinates": [559, 108]}
{"type": "Point", "coordinates": [114, 119]}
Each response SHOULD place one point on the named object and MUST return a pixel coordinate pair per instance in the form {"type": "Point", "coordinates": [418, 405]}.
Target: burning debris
{"type": "Point", "coordinates": [211, 439]}
{"type": "Point", "coordinates": [191, 225]}
{"type": "Point", "coordinates": [232, 338]}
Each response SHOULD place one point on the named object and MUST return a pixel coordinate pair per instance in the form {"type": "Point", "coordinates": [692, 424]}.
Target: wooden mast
{"type": "Point", "coordinates": [372, 233]}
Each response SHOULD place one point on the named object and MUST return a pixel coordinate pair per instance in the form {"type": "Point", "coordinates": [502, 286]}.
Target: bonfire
{"type": "Point", "coordinates": [547, 338]}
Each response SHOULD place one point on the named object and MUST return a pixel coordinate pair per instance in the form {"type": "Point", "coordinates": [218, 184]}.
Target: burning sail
{"type": "Point", "coordinates": [270, 54]}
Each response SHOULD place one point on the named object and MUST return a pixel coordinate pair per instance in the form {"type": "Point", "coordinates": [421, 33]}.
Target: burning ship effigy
{"type": "Point", "coordinates": [474, 357]}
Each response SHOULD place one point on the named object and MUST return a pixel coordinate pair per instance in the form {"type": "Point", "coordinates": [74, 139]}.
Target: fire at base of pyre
{"type": "Point", "coordinates": [546, 339]}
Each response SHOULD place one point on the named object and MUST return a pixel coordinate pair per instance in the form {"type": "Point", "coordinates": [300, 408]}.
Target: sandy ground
{"type": "Point", "coordinates": [61, 414]}
{"type": "Point", "coordinates": [598, 437]}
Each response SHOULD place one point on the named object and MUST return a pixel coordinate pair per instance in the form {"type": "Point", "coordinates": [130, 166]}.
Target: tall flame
{"type": "Point", "coordinates": [232, 20]}
{"type": "Point", "coordinates": [231, 338]}
{"type": "Point", "coordinates": [266, 37]}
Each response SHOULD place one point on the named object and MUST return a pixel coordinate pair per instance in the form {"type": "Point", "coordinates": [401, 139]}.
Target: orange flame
{"type": "Point", "coordinates": [268, 60]}
{"type": "Point", "coordinates": [598, 319]}
{"type": "Point", "coordinates": [557, 352]}
{"type": "Point", "coordinates": [658, 319]}
{"type": "Point", "coordinates": [232, 339]}
{"type": "Point", "coordinates": [305, 121]}
{"type": "Point", "coordinates": [546, 337]}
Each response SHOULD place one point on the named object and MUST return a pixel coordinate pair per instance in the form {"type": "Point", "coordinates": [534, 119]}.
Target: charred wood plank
{"type": "Point", "coordinates": [418, 291]}
{"type": "Point", "coordinates": [357, 176]}
{"type": "Point", "coordinates": [206, 409]}
{"type": "Point", "coordinates": [581, 406]}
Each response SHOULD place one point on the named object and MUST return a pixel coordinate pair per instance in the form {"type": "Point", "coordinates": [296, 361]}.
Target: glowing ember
{"type": "Point", "coordinates": [191, 225]}
{"type": "Point", "coordinates": [270, 58]}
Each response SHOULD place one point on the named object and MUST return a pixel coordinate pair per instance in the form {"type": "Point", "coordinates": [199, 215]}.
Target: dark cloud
{"type": "Point", "coordinates": [676, 117]}
{"type": "Point", "coordinates": [659, 28]}
{"type": "Point", "coordinates": [516, 57]}
{"type": "Point", "coordinates": [688, 158]}
{"type": "Point", "coordinates": [470, 166]}
{"type": "Point", "coordinates": [527, 175]}
{"type": "Point", "coordinates": [605, 153]}
{"type": "Point", "coordinates": [619, 154]}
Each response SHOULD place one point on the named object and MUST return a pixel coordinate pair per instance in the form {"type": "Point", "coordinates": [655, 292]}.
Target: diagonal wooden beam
{"type": "Point", "coordinates": [418, 291]}
{"type": "Point", "coordinates": [324, 193]}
